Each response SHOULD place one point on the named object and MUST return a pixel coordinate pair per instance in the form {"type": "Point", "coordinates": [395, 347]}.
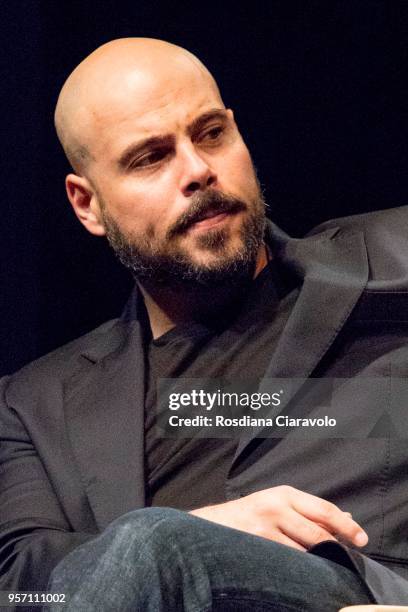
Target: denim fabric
{"type": "Point", "coordinates": [161, 559]}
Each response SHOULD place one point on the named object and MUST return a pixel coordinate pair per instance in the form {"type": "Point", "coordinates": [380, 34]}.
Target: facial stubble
{"type": "Point", "coordinates": [169, 262]}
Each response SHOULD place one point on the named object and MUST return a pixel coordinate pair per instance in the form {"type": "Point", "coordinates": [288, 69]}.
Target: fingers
{"type": "Point", "coordinates": [288, 516]}
{"type": "Point", "coordinates": [301, 530]}
{"type": "Point", "coordinates": [329, 516]}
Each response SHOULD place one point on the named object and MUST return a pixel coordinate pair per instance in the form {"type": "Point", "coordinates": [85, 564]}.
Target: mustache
{"type": "Point", "coordinates": [214, 202]}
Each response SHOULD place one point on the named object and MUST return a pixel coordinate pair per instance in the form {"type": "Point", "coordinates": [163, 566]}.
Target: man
{"type": "Point", "coordinates": [161, 169]}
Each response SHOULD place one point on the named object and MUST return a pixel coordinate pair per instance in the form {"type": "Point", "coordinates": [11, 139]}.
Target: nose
{"type": "Point", "coordinates": [197, 173]}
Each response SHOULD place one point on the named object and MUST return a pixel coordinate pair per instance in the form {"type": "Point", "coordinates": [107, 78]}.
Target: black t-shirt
{"type": "Point", "coordinates": [191, 473]}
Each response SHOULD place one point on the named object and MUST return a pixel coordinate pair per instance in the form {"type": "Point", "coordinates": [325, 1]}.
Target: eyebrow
{"type": "Point", "coordinates": [216, 113]}
{"type": "Point", "coordinates": [148, 143]}
{"type": "Point", "coordinates": [167, 139]}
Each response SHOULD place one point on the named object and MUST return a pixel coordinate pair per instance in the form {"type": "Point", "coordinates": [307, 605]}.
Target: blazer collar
{"type": "Point", "coordinates": [333, 270]}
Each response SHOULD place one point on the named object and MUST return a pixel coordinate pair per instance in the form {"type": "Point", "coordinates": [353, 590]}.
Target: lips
{"type": "Point", "coordinates": [206, 210]}
{"type": "Point", "coordinates": [210, 220]}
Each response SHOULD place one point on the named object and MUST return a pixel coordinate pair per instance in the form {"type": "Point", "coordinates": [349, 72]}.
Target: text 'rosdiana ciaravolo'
{"type": "Point", "coordinates": [219, 400]}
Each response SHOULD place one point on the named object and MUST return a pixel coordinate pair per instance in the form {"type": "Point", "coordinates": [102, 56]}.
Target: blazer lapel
{"type": "Point", "coordinates": [334, 271]}
{"type": "Point", "coordinates": [105, 421]}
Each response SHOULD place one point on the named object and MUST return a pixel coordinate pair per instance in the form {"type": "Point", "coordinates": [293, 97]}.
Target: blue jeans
{"type": "Point", "coordinates": [161, 559]}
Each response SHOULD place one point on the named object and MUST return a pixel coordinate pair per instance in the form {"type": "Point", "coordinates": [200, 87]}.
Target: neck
{"type": "Point", "coordinates": [167, 307]}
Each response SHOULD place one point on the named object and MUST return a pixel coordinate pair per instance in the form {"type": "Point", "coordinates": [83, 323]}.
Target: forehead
{"type": "Point", "coordinates": [137, 105]}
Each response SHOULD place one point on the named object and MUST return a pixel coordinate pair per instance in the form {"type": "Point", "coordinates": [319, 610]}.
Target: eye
{"type": "Point", "coordinates": [149, 159]}
{"type": "Point", "coordinates": [213, 134]}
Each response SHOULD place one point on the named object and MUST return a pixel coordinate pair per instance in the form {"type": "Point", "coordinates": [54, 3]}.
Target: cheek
{"type": "Point", "coordinates": [136, 210]}
{"type": "Point", "coordinates": [242, 173]}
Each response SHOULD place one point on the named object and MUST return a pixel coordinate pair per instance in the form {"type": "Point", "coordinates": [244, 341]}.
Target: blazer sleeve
{"type": "Point", "coordinates": [34, 532]}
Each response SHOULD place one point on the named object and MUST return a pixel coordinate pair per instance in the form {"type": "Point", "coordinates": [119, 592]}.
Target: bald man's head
{"type": "Point", "coordinates": [102, 78]}
{"type": "Point", "coordinates": [160, 166]}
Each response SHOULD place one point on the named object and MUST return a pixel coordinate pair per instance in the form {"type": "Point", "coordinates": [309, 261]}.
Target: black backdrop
{"type": "Point", "coordinates": [319, 89]}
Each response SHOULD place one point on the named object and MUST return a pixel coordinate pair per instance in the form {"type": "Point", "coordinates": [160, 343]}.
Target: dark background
{"type": "Point", "coordinates": [320, 93]}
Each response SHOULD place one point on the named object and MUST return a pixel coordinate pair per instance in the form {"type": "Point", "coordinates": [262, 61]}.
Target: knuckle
{"type": "Point", "coordinates": [279, 499]}
{"type": "Point", "coordinates": [285, 489]}
{"type": "Point", "coordinates": [327, 510]}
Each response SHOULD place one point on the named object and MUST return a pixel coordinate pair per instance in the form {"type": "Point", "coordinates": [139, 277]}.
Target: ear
{"type": "Point", "coordinates": [230, 113]}
{"type": "Point", "coordinates": [85, 203]}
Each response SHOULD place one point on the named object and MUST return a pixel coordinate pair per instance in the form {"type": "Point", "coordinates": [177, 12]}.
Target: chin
{"type": "Point", "coordinates": [212, 257]}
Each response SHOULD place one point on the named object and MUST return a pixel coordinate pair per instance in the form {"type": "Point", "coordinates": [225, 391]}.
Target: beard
{"type": "Point", "coordinates": [169, 264]}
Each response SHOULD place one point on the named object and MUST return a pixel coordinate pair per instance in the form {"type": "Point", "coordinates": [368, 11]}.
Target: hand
{"type": "Point", "coordinates": [286, 515]}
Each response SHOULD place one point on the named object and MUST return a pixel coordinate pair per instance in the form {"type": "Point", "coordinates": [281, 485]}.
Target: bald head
{"type": "Point", "coordinates": [103, 80]}
{"type": "Point", "coordinates": [155, 151]}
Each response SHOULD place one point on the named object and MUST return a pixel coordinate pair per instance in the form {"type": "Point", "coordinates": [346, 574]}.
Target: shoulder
{"type": "Point", "coordinates": [386, 238]}
{"type": "Point", "coordinates": [63, 363]}
{"type": "Point", "coordinates": [375, 224]}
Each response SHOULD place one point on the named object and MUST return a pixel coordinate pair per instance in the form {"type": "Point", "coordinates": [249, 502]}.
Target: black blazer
{"type": "Point", "coordinates": [71, 423]}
